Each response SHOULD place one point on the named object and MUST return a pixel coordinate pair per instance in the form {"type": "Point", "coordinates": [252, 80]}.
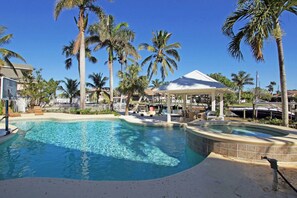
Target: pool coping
{"type": "Point", "coordinates": [244, 178]}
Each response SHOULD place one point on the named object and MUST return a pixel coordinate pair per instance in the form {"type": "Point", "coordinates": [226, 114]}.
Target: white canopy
{"type": "Point", "coordinates": [193, 83]}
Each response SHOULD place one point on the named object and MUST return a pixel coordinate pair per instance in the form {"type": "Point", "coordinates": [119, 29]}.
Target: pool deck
{"type": "Point", "coordinates": [216, 176]}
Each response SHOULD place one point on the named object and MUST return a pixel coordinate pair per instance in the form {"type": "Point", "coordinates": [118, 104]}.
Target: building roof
{"type": "Point", "coordinates": [8, 71]}
{"type": "Point", "coordinates": [193, 82]}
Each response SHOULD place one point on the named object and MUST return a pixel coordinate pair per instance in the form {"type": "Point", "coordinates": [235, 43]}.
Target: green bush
{"type": "Point", "coordinates": [85, 111]}
{"type": "Point", "coordinates": [74, 111]}
{"type": "Point", "coordinates": [273, 121]}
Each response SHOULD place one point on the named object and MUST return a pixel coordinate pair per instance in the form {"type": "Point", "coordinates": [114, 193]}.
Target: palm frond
{"type": "Point", "coordinates": [7, 54]}
{"type": "Point", "coordinates": [77, 43]}
{"type": "Point", "coordinates": [149, 58]}
{"type": "Point", "coordinates": [63, 4]}
{"type": "Point", "coordinates": [68, 63]}
{"type": "Point", "coordinates": [5, 39]}
{"type": "Point", "coordinates": [174, 53]}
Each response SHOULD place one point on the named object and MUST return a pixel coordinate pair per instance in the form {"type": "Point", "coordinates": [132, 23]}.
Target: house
{"type": "Point", "coordinates": [20, 69]}
{"type": "Point", "coordinates": [17, 75]}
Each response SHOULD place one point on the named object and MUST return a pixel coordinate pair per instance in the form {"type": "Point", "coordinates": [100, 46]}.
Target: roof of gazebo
{"type": "Point", "coordinates": [194, 82]}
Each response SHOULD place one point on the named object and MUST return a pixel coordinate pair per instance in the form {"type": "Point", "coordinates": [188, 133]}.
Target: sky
{"type": "Point", "coordinates": [195, 24]}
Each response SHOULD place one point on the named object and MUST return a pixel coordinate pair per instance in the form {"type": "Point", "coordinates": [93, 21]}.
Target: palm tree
{"type": "Point", "coordinates": [68, 52]}
{"type": "Point", "coordinates": [115, 38]}
{"type": "Point", "coordinates": [84, 6]}
{"type": "Point", "coordinates": [262, 18]}
{"type": "Point", "coordinates": [98, 83]}
{"type": "Point", "coordinates": [124, 51]}
{"type": "Point", "coordinates": [241, 79]}
{"type": "Point", "coordinates": [156, 84]}
{"type": "Point", "coordinates": [270, 87]}
{"type": "Point", "coordinates": [5, 53]}
{"type": "Point", "coordinates": [131, 82]}
{"type": "Point", "coordinates": [70, 89]}
{"type": "Point", "coordinates": [162, 53]}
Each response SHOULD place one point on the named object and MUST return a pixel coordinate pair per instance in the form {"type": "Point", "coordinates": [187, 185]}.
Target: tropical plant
{"type": "Point", "coordinates": [241, 79]}
{"type": "Point", "coordinates": [70, 89]}
{"type": "Point", "coordinates": [162, 53]}
{"type": "Point", "coordinates": [5, 53]}
{"type": "Point", "coordinates": [38, 90]}
{"type": "Point", "coordinates": [98, 83]}
{"type": "Point", "coordinates": [230, 98]}
{"type": "Point", "coordinates": [223, 79]}
{"type": "Point", "coordinates": [131, 82]}
{"type": "Point", "coordinates": [262, 17]}
{"type": "Point", "coordinates": [125, 50]}
{"type": "Point", "coordinates": [248, 96]}
{"type": "Point", "coordinates": [115, 38]}
{"type": "Point", "coordinates": [84, 6]}
{"type": "Point", "coordinates": [68, 52]}
{"type": "Point", "coordinates": [156, 84]}
{"type": "Point", "coordinates": [270, 87]}
{"type": "Point", "coordinates": [262, 94]}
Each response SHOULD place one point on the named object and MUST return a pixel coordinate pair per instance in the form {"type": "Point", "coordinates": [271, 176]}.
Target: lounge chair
{"type": "Point", "coordinates": [211, 115]}
{"type": "Point", "coordinates": [37, 110]}
{"type": "Point", "coordinates": [11, 113]}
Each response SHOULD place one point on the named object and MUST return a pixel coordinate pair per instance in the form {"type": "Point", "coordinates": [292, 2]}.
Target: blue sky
{"type": "Point", "coordinates": [196, 24]}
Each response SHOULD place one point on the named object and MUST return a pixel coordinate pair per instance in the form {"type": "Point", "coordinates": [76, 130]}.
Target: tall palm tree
{"type": "Point", "coordinates": [241, 79]}
{"type": "Point", "coordinates": [98, 83]}
{"type": "Point", "coordinates": [5, 53]}
{"type": "Point", "coordinates": [68, 52]}
{"type": "Point", "coordinates": [84, 6]}
{"type": "Point", "coordinates": [131, 82]}
{"type": "Point", "coordinates": [262, 22]}
{"type": "Point", "coordinates": [70, 89]}
{"type": "Point", "coordinates": [270, 87]}
{"type": "Point", "coordinates": [162, 53]}
{"type": "Point", "coordinates": [113, 37]}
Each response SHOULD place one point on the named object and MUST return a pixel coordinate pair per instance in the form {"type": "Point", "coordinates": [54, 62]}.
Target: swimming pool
{"type": "Point", "coordinates": [95, 150]}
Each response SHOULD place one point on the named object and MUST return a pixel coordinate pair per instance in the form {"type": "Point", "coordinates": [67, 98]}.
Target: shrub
{"type": "Point", "coordinates": [85, 111]}
{"type": "Point", "coordinates": [74, 111]}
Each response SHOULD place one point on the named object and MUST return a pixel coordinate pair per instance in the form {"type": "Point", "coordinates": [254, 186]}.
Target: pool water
{"type": "Point", "coordinates": [95, 150]}
{"type": "Point", "coordinates": [244, 130]}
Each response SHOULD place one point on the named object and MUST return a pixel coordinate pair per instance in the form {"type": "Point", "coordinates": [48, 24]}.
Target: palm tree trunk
{"type": "Point", "coordinates": [110, 66]}
{"type": "Point", "coordinates": [98, 95]}
{"type": "Point", "coordinates": [127, 105]}
{"type": "Point", "coordinates": [239, 96]}
{"type": "Point", "coordinates": [82, 64]}
{"type": "Point", "coordinates": [283, 81]}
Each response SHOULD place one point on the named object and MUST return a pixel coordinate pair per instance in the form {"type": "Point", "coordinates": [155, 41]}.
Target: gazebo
{"type": "Point", "coordinates": [194, 83]}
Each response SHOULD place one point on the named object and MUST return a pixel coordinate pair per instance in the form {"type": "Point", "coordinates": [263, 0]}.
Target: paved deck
{"type": "Point", "coordinates": [216, 176]}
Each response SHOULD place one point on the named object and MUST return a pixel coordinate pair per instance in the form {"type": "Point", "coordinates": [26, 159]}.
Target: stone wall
{"type": "Point", "coordinates": [242, 151]}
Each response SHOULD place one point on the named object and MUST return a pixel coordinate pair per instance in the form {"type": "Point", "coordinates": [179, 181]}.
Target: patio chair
{"type": "Point", "coordinates": [211, 115]}
{"type": "Point", "coordinates": [37, 110]}
{"type": "Point", "coordinates": [11, 113]}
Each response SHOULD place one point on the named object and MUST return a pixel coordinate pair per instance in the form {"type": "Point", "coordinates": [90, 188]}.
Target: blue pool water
{"type": "Point", "coordinates": [244, 130]}
{"type": "Point", "coordinates": [95, 150]}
